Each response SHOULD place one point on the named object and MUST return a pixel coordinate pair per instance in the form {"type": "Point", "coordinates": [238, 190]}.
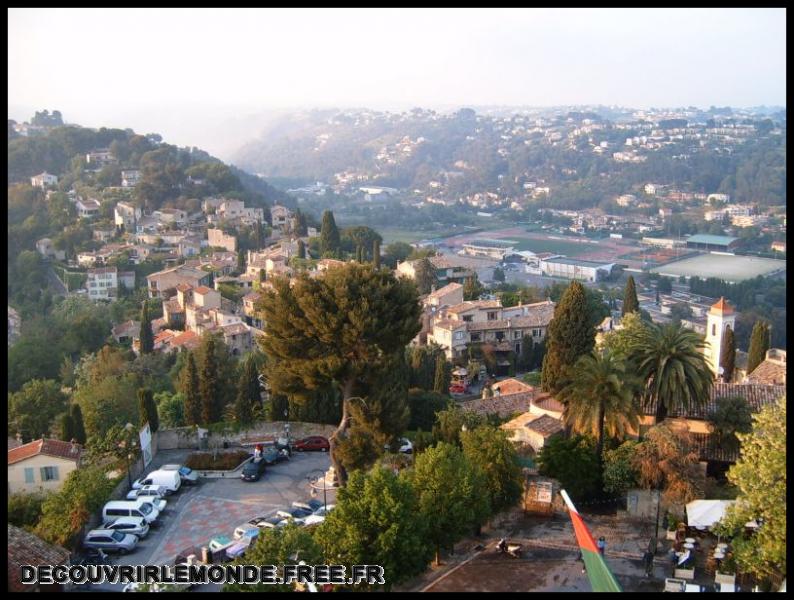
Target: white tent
{"type": "Point", "coordinates": [706, 513]}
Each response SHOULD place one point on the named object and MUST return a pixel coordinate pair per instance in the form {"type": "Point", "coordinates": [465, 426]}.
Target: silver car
{"type": "Point", "coordinates": [150, 493]}
{"type": "Point", "coordinates": [137, 526]}
{"type": "Point", "coordinates": [188, 475]}
{"type": "Point", "coordinates": [110, 541]}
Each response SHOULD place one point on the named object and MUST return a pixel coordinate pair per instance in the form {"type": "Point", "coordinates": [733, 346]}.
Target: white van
{"type": "Point", "coordinates": [130, 508]}
{"type": "Point", "coordinates": [168, 479]}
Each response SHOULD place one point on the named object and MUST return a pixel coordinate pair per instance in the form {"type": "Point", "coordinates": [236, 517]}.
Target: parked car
{"type": "Point", "coordinates": [314, 442]}
{"type": "Point", "coordinates": [294, 513]}
{"type": "Point", "coordinates": [147, 490]}
{"type": "Point", "coordinates": [135, 525]}
{"type": "Point", "coordinates": [253, 470]}
{"type": "Point", "coordinates": [318, 516]}
{"type": "Point", "coordinates": [150, 494]}
{"type": "Point", "coordinates": [457, 389]}
{"type": "Point", "coordinates": [109, 540]}
{"type": "Point", "coordinates": [140, 507]}
{"type": "Point", "coordinates": [405, 446]}
{"type": "Point", "coordinates": [311, 505]}
{"type": "Point", "coordinates": [186, 474]}
{"type": "Point", "coordinates": [170, 479]}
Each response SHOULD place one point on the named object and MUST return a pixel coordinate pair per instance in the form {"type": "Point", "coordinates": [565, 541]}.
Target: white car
{"type": "Point", "coordinates": [150, 493]}
{"type": "Point", "coordinates": [318, 516]}
{"type": "Point", "coordinates": [186, 474]}
{"type": "Point", "coordinates": [135, 525]}
{"type": "Point", "coordinates": [406, 447]}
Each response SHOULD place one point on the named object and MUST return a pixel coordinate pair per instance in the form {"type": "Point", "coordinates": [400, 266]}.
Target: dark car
{"type": "Point", "coordinates": [315, 442]}
{"type": "Point", "coordinates": [252, 471]}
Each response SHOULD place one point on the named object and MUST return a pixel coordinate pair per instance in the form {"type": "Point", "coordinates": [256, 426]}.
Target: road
{"type": "Point", "coordinates": [56, 284]}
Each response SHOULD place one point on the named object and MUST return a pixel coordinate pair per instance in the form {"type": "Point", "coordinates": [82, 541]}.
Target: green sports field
{"type": "Point", "coordinates": [572, 249]}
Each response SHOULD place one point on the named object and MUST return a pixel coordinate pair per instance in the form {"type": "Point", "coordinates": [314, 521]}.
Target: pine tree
{"type": "Point", "coordinates": [240, 259]}
{"type": "Point", "coordinates": [190, 391]}
{"type": "Point", "coordinates": [248, 392]}
{"type": "Point", "coordinates": [728, 355]}
{"type": "Point", "coordinates": [330, 243]}
{"type": "Point", "coordinates": [301, 249]}
{"type": "Point", "coordinates": [441, 384]}
{"type": "Point", "coordinates": [376, 254]}
{"type": "Point", "coordinates": [209, 385]}
{"type": "Point", "coordinates": [67, 428]}
{"type": "Point", "coordinates": [570, 335]}
{"type": "Point", "coordinates": [147, 409]}
{"type": "Point", "coordinates": [77, 422]}
{"type": "Point", "coordinates": [146, 337]}
{"type": "Point", "coordinates": [759, 344]}
{"type": "Point", "coordinates": [630, 302]}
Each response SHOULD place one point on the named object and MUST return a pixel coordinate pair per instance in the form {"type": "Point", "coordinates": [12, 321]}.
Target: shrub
{"type": "Point", "coordinates": [225, 461]}
{"type": "Point", "coordinates": [24, 510]}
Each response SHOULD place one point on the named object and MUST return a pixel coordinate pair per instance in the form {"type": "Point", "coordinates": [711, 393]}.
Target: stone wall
{"type": "Point", "coordinates": [187, 438]}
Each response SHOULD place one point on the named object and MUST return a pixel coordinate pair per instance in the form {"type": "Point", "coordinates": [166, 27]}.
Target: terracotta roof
{"type": "Point", "coordinates": [24, 548]}
{"type": "Point", "coordinates": [164, 336]}
{"type": "Point", "coordinates": [252, 296]}
{"type": "Point", "coordinates": [188, 339]}
{"type": "Point", "coordinates": [537, 318]}
{"type": "Point", "coordinates": [769, 372]}
{"type": "Point", "coordinates": [450, 287]}
{"type": "Point", "coordinates": [722, 307]}
{"type": "Point", "coordinates": [502, 405]}
{"type": "Point", "coordinates": [450, 324]}
{"type": "Point", "coordinates": [511, 386]}
{"type": "Point", "coordinates": [757, 395]}
{"type": "Point", "coordinates": [127, 327]}
{"type": "Point", "coordinates": [474, 304]}
{"type": "Point", "coordinates": [183, 287]}
{"type": "Point", "coordinates": [548, 402]}
{"type": "Point", "coordinates": [202, 289]}
{"type": "Point", "coordinates": [235, 329]}
{"type": "Point", "coordinates": [47, 447]}
{"type": "Point", "coordinates": [545, 425]}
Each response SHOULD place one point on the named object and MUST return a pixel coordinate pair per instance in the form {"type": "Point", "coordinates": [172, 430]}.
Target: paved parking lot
{"type": "Point", "coordinates": [215, 507]}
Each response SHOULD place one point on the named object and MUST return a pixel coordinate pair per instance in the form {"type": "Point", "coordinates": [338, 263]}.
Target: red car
{"type": "Point", "coordinates": [315, 442]}
{"type": "Point", "coordinates": [457, 389]}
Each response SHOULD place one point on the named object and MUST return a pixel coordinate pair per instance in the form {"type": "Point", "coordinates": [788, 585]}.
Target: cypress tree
{"type": "Point", "coordinates": [209, 385]}
{"type": "Point", "coordinates": [301, 226]}
{"type": "Point", "coordinates": [525, 360]}
{"type": "Point", "coordinates": [248, 392]}
{"type": "Point", "coordinates": [243, 412]}
{"type": "Point", "coordinates": [262, 275]}
{"type": "Point", "coordinates": [425, 276]}
{"type": "Point", "coordinates": [728, 356]}
{"type": "Point", "coordinates": [759, 344]}
{"type": "Point", "coordinates": [329, 235]}
{"type": "Point", "coordinates": [630, 302]}
{"type": "Point", "coordinates": [257, 237]}
{"type": "Point", "coordinates": [570, 335]}
{"type": "Point", "coordinates": [376, 253]}
{"type": "Point", "coordinates": [358, 254]}
{"type": "Point", "coordinates": [301, 249]}
{"type": "Point", "coordinates": [190, 391]}
{"type": "Point", "coordinates": [147, 409]}
{"type": "Point", "coordinates": [67, 427]}
{"type": "Point", "coordinates": [77, 422]}
{"type": "Point", "coordinates": [147, 337]}
{"type": "Point", "coordinates": [240, 259]}
{"type": "Point", "coordinates": [441, 385]}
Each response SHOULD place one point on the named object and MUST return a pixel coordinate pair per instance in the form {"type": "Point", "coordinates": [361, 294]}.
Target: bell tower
{"type": "Point", "coordinates": [720, 317]}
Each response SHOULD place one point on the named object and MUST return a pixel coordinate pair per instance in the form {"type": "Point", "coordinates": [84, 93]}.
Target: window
{"type": "Point", "coordinates": [49, 473]}
{"type": "Point", "coordinates": [500, 335]}
{"type": "Point", "coordinates": [458, 335]}
{"type": "Point", "coordinates": [476, 337]}
{"type": "Point", "coordinates": [492, 315]}
{"type": "Point", "coordinates": [516, 335]}
{"type": "Point", "coordinates": [536, 333]}
{"type": "Point", "coordinates": [468, 318]}
{"type": "Point", "coordinates": [713, 329]}
{"type": "Point", "coordinates": [29, 475]}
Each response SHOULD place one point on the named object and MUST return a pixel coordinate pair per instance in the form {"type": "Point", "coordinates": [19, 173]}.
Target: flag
{"type": "Point", "coordinates": [601, 578]}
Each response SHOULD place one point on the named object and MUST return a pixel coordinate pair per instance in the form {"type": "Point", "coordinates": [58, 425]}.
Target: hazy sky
{"type": "Point", "coordinates": [152, 65]}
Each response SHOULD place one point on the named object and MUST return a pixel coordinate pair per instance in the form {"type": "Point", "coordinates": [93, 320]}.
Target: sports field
{"type": "Point", "coordinates": [728, 267]}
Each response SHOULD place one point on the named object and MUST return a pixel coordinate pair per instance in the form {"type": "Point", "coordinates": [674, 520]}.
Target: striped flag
{"type": "Point", "coordinates": [601, 578]}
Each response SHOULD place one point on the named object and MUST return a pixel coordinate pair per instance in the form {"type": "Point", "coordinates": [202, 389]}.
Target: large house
{"type": "Point", "coordinates": [41, 465]}
{"type": "Point", "coordinates": [216, 238]}
{"type": "Point", "coordinates": [280, 216]}
{"type": "Point", "coordinates": [103, 283]}
{"type": "Point", "coordinates": [88, 208]}
{"type": "Point", "coordinates": [487, 322]}
{"type": "Point", "coordinates": [43, 180]}
{"type": "Point", "coordinates": [126, 215]}
{"type": "Point", "coordinates": [446, 270]}
{"type": "Point", "coordinates": [164, 281]}
{"type": "Point", "coordinates": [130, 178]}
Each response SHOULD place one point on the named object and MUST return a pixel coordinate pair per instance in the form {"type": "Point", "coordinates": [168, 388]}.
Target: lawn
{"type": "Point", "coordinates": [556, 246]}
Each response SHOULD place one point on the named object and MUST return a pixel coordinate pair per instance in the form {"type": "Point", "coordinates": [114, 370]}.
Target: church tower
{"type": "Point", "coordinates": [720, 317]}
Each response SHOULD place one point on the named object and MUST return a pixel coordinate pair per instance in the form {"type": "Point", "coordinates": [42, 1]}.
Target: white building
{"type": "Point", "coordinates": [720, 317]}
{"type": "Point", "coordinates": [130, 178]}
{"type": "Point", "coordinates": [43, 180]}
{"type": "Point", "coordinates": [570, 268]}
{"type": "Point", "coordinates": [126, 215]}
{"type": "Point", "coordinates": [102, 284]}
{"type": "Point", "coordinates": [87, 209]}
{"type": "Point", "coordinates": [217, 238]}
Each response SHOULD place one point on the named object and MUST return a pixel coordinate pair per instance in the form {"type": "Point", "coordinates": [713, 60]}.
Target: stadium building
{"type": "Point", "coordinates": [571, 268]}
{"type": "Point", "coordinates": [719, 243]}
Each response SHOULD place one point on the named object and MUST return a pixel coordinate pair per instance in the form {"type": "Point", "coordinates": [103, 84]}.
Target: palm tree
{"type": "Point", "coordinates": [669, 361]}
{"type": "Point", "coordinates": [599, 398]}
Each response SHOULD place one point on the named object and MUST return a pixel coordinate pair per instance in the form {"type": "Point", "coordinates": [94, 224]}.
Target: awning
{"type": "Point", "coordinates": [706, 513]}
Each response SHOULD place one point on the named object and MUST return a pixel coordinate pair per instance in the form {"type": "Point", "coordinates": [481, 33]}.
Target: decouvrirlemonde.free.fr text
{"type": "Point", "coordinates": [203, 574]}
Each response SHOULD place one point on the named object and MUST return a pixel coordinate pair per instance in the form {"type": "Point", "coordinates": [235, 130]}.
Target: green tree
{"type": "Point", "coordinates": [335, 330]}
{"type": "Point", "coordinates": [665, 461]}
{"type": "Point", "coordinates": [190, 391]}
{"type": "Point", "coordinates": [77, 423]}
{"type": "Point", "coordinates": [599, 398]}
{"type": "Point", "coordinates": [24, 510]}
{"type": "Point", "coordinates": [570, 335]}
{"type": "Point", "coordinates": [472, 288]}
{"type": "Point", "coordinates": [456, 508]}
{"type": "Point", "coordinates": [171, 409]}
{"type": "Point", "coordinates": [760, 475]}
{"type": "Point", "coordinates": [286, 545]}
{"type": "Point", "coordinates": [669, 361]}
{"type": "Point", "coordinates": [630, 302]}
{"type": "Point", "coordinates": [65, 512]}
{"type": "Point", "coordinates": [573, 462]}
{"type": "Point", "coordinates": [451, 421]}
{"type": "Point", "coordinates": [301, 225]}
{"type": "Point", "coordinates": [488, 449]}
{"type": "Point", "coordinates": [330, 243]}
{"type": "Point", "coordinates": [248, 393]}
{"type": "Point", "coordinates": [425, 276]}
{"type": "Point", "coordinates": [498, 275]}
{"type": "Point", "coordinates": [146, 336]}
{"type": "Point", "coordinates": [443, 375]}
{"type": "Point", "coordinates": [397, 252]}
{"type": "Point", "coordinates": [66, 427]}
{"type": "Point", "coordinates": [759, 344]}
{"type": "Point", "coordinates": [240, 260]}
{"type": "Point", "coordinates": [32, 410]}
{"type": "Point", "coordinates": [377, 520]}
{"type": "Point", "coordinates": [376, 253]}
{"type": "Point", "coordinates": [732, 415]}
{"type": "Point", "coordinates": [147, 410]}
{"type": "Point", "coordinates": [209, 384]}
{"type": "Point", "coordinates": [111, 401]}
{"type": "Point", "coordinates": [423, 406]}
{"type": "Point", "coordinates": [620, 341]}
{"type": "Point", "coordinates": [728, 355]}
{"type": "Point", "coordinates": [301, 249]}
{"type": "Point", "coordinates": [620, 475]}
